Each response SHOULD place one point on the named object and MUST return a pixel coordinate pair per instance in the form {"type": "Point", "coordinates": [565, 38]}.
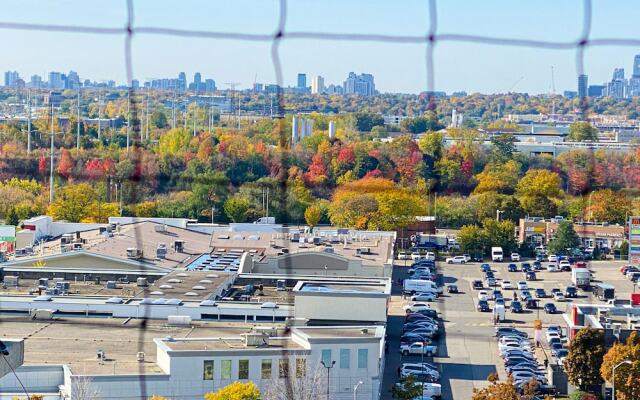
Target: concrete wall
{"type": "Point", "coordinates": [340, 307]}
{"type": "Point", "coordinates": [15, 357]}
{"type": "Point", "coordinates": [36, 378]}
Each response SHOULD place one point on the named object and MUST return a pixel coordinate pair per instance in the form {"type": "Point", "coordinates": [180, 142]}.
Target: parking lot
{"type": "Point", "coordinates": [467, 350]}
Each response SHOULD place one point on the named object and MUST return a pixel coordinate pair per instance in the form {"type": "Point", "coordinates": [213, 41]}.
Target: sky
{"type": "Point", "coordinates": [396, 67]}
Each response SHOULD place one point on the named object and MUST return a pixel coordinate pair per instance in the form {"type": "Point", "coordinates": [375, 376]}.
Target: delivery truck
{"type": "Point", "coordinates": [581, 277]}
{"type": "Point", "coordinates": [605, 292]}
{"type": "Point", "coordinates": [412, 286]}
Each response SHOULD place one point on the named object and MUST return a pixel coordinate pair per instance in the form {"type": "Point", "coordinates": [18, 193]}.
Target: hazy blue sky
{"type": "Point", "coordinates": [397, 68]}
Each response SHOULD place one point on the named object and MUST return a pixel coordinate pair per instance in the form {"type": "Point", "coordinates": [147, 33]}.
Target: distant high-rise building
{"type": "Point", "coordinates": [197, 78]}
{"type": "Point", "coordinates": [583, 81]}
{"type": "Point", "coordinates": [302, 81]}
{"type": "Point", "coordinates": [618, 74]}
{"type": "Point", "coordinates": [617, 88]}
{"type": "Point", "coordinates": [182, 81]}
{"type": "Point", "coordinates": [36, 81]}
{"type": "Point", "coordinates": [210, 85]}
{"type": "Point", "coordinates": [362, 84]}
{"type": "Point", "coordinates": [55, 80]}
{"type": "Point", "coordinates": [317, 84]}
{"type": "Point", "coordinates": [11, 78]}
{"type": "Point", "coordinates": [571, 94]}
{"type": "Point", "coordinates": [334, 89]}
{"type": "Point", "coordinates": [258, 87]}
{"type": "Point", "coordinates": [596, 91]}
{"type": "Point", "coordinates": [636, 67]}
{"type": "Point", "coordinates": [135, 84]}
{"type": "Point", "coordinates": [73, 80]}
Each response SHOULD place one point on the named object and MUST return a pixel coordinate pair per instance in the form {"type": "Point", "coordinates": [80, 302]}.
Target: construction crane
{"type": "Point", "coordinates": [515, 83]}
{"type": "Point", "coordinates": [232, 86]}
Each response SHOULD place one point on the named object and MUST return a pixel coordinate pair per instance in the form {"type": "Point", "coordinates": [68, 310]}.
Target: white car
{"type": "Point", "coordinates": [431, 256]}
{"type": "Point", "coordinates": [552, 268]}
{"type": "Point", "coordinates": [456, 260]}
{"type": "Point", "coordinates": [404, 256]}
{"type": "Point", "coordinates": [424, 296]}
{"type": "Point", "coordinates": [483, 295]}
{"type": "Point", "coordinates": [522, 285]}
{"type": "Point", "coordinates": [551, 334]}
{"type": "Point", "coordinates": [559, 296]}
{"type": "Point", "coordinates": [416, 256]}
{"type": "Point", "coordinates": [553, 258]}
{"type": "Point", "coordinates": [410, 308]}
{"type": "Point", "coordinates": [506, 285]}
{"type": "Point", "coordinates": [515, 257]}
{"type": "Point", "coordinates": [418, 348]}
{"type": "Point", "coordinates": [565, 263]}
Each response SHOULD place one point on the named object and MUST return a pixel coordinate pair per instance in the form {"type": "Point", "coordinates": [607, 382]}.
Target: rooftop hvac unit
{"type": "Point", "coordinates": [11, 281]}
{"type": "Point", "coordinates": [140, 356]}
{"type": "Point", "coordinates": [329, 250]}
{"type": "Point", "coordinates": [41, 314]}
{"type": "Point", "coordinates": [161, 251]}
{"type": "Point", "coordinates": [142, 282]}
{"type": "Point", "coordinates": [255, 339]}
{"type": "Point", "coordinates": [178, 246]}
{"type": "Point", "coordinates": [134, 252]}
{"type": "Point", "coordinates": [270, 331]}
{"type": "Point", "coordinates": [63, 286]}
{"type": "Point", "coordinates": [179, 320]}
{"type": "Point", "coordinates": [111, 285]}
{"type": "Point", "coordinates": [281, 285]}
{"type": "Point", "coordinates": [43, 282]}
{"type": "Point", "coordinates": [77, 246]}
{"type": "Point", "coordinates": [160, 228]}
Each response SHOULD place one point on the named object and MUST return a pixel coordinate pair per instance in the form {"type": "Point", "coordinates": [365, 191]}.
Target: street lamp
{"type": "Point", "coordinates": [355, 390]}
{"type": "Point", "coordinates": [328, 367]}
{"type": "Point", "coordinates": [613, 379]}
{"type": "Point", "coordinates": [498, 212]}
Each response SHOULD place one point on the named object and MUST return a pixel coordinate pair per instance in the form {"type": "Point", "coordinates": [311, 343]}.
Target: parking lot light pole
{"type": "Point", "coordinates": [613, 379]}
{"type": "Point", "coordinates": [355, 390]}
{"type": "Point", "coordinates": [328, 367]}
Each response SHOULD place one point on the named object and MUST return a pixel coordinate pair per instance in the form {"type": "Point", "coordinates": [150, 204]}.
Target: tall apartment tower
{"type": "Point", "coordinates": [317, 84]}
{"type": "Point", "coordinates": [583, 81]}
{"type": "Point", "coordinates": [302, 81]}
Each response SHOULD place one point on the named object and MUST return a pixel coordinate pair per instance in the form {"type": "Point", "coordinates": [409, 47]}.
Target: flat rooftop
{"type": "Point", "coordinates": [75, 341]}
{"type": "Point", "coordinates": [188, 285]}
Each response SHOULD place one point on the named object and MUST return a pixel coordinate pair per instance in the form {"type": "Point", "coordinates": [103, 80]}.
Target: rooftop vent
{"type": "Point", "coordinates": [173, 280]}
{"type": "Point", "coordinates": [165, 287]}
{"type": "Point", "coordinates": [134, 253]}
{"type": "Point", "coordinates": [364, 331]}
{"type": "Point", "coordinates": [191, 294]}
{"type": "Point", "coordinates": [182, 274]}
{"type": "Point", "coordinates": [198, 287]}
{"type": "Point", "coordinates": [255, 339]}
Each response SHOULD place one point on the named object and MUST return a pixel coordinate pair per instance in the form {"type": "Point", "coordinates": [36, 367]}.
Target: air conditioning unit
{"type": "Point", "coordinates": [161, 251]}
{"type": "Point", "coordinates": [160, 228]}
{"type": "Point", "coordinates": [134, 252]}
{"type": "Point", "coordinates": [178, 246]}
{"type": "Point", "coordinates": [77, 246]}
{"type": "Point", "coordinates": [255, 339]}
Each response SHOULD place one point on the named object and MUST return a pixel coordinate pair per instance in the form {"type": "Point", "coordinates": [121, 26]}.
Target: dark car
{"type": "Point", "coordinates": [452, 289]}
{"type": "Point", "coordinates": [562, 353]}
{"type": "Point", "coordinates": [512, 268]}
{"type": "Point", "coordinates": [537, 265]}
{"type": "Point", "coordinates": [489, 274]}
{"type": "Point", "coordinates": [530, 276]}
{"type": "Point", "coordinates": [507, 330]}
{"type": "Point", "coordinates": [540, 293]}
{"type": "Point", "coordinates": [476, 258]}
{"type": "Point", "coordinates": [532, 304]}
{"type": "Point", "coordinates": [485, 268]}
{"type": "Point", "coordinates": [477, 285]}
{"type": "Point", "coordinates": [555, 348]}
{"type": "Point", "coordinates": [555, 290]}
{"type": "Point", "coordinates": [550, 308]}
{"type": "Point", "coordinates": [516, 306]}
{"type": "Point", "coordinates": [525, 266]}
{"type": "Point", "coordinates": [429, 312]}
{"type": "Point", "coordinates": [539, 257]}
{"type": "Point", "coordinates": [571, 291]}
{"type": "Point", "coordinates": [483, 306]}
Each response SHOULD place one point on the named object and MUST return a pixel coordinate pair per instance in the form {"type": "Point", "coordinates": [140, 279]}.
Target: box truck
{"type": "Point", "coordinates": [412, 286]}
{"type": "Point", "coordinates": [496, 254]}
{"type": "Point", "coordinates": [605, 292]}
{"type": "Point", "coordinates": [581, 277]}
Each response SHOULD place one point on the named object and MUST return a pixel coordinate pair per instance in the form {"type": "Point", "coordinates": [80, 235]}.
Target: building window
{"type": "Point", "coordinates": [265, 369]}
{"type": "Point", "coordinates": [283, 368]}
{"type": "Point", "coordinates": [363, 356]}
{"type": "Point", "coordinates": [243, 369]}
{"type": "Point", "coordinates": [301, 367]}
{"type": "Point", "coordinates": [225, 369]}
{"type": "Point", "coordinates": [326, 356]}
{"type": "Point", "coordinates": [207, 373]}
{"type": "Point", "coordinates": [345, 357]}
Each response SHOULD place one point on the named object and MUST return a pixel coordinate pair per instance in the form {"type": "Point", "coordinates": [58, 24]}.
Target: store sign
{"type": "Point", "coordinates": [7, 233]}
{"type": "Point", "coordinates": [634, 240]}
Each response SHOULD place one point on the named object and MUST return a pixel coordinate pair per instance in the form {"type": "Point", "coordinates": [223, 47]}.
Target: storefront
{"type": "Point", "coordinates": [603, 236]}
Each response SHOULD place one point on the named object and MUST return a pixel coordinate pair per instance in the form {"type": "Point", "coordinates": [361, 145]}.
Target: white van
{"type": "Point", "coordinates": [496, 254]}
{"type": "Point", "coordinates": [412, 286]}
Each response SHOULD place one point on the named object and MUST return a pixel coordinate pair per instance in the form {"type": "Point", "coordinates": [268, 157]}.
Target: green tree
{"type": "Point", "coordinates": [627, 376]}
{"type": "Point", "coordinates": [407, 389]}
{"type": "Point", "coordinates": [584, 360]}
{"type": "Point", "coordinates": [565, 239]}
{"type": "Point", "coordinates": [12, 217]}
{"type": "Point", "coordinates": [365, 120]}
{"type": "Point", "coordinates": [236, 208]}
{"type": "Point", "coordinates": [236, 391]}
{"type": "Point", "coordinates": [432, 144]}
{"type": "Point", "coordinates": [582, 131]}
{"type": "Point", "coordinates": [421, 124]}
{"type": "Point", "coordinates": [472, 239]}
{"type": "Point", "coordinates": [503, 147]}
{"type": "Point", "coordinates": [159, 119]}
{"type": "Point", "coordinates": [72, 203]}
{"type": "Point", "coordinates": [500, 233]}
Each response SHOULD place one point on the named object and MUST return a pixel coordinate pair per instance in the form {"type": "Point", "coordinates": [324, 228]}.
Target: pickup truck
{"type": "Point", "coordinates": [418, 348]}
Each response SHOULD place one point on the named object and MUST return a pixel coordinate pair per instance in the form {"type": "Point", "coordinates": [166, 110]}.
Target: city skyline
{"type": "Point", "coordinates": [398, 68]}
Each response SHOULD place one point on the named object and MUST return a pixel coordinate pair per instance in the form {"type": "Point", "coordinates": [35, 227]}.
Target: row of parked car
{"type": "Point", "coordinates": [420, 332]}
{"type": "Point", "coordinates": [518, 355]}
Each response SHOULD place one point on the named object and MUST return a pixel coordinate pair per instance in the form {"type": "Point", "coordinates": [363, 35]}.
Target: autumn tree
{"type": "Point", "coordinates": [505, 391]}
{"type": "Point", "coordinates": [539, 192]}
{"type": "Point", "coordinates": [407, 389]}
{"type": "Point", "coordinates": [72, 202]}
{"type": "Point", "coordinates": [608, 206]}
{"type": "Point", "coordinates": [236, 391]}
{"type": "Point", "coordinates": [472, 239]}
{"type": "Point", "coordinates": [627, 380]}
{"type": "Point", "coordinates": [312, 215]}
{"type": "Point", "coordinates": [584, 361]}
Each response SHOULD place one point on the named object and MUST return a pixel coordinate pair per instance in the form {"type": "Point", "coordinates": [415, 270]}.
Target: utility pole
{"type": "Point", "coordinates": [128, 118]}
{"type": "Point", "coordinates": [232, 86]}
{"type": "Point", "coordinates": [78, 125]}
{"type": "Point", "coordinates": [29, 122]}
{"type": "Point", "coordinates": [51, 161]}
